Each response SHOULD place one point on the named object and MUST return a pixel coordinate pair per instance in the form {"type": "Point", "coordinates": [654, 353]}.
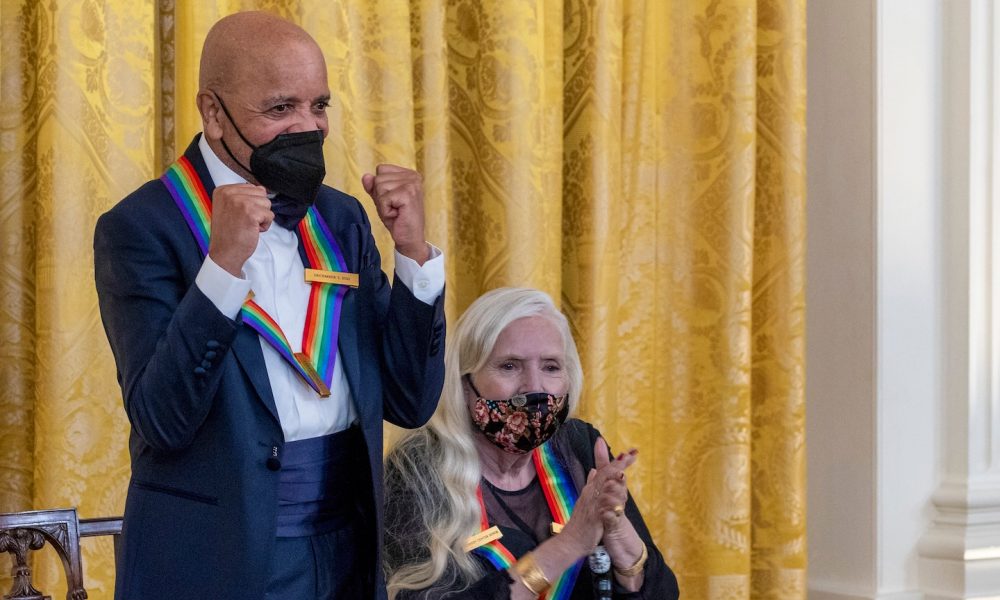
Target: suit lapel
{"type": "Point", "coordinates": [347, 343]}
{"type": "Point", "coordinates": [246, 346]}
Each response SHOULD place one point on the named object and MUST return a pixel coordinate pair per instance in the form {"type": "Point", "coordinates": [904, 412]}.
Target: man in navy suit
{"type": "Point", "coordinates": [256, 455]}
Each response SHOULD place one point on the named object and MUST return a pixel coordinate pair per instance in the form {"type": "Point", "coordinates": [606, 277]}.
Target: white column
{"type": "Point", "coordinates": [960, 553]}
{"type": "Point", "coordinates": [909, 78]}
{"type": "Point", "coordinates": [873, 344]}
{"type": "Point", "coordinates": [904, 277]}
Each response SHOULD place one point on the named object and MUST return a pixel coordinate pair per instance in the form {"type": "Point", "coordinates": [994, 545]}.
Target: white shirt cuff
{"type": "Point", "coordinates": [226, 292]}
{"type": "Point", "coordinates": [426, 281]}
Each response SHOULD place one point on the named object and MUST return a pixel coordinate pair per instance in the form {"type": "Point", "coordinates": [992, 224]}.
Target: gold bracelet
{"type": "Point", "coordinates": [531, 575]}
{"type": "Point", "coordinates": [636, 568]}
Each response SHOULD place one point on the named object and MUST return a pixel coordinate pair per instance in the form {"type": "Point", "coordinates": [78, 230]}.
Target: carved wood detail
{"type": "Point", "coordinates": [23, 533]}
{"type": "Point", "coordinates": [19, 542]}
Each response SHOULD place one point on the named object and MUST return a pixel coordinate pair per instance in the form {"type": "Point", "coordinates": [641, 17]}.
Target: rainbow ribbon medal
{"type": "Point", "coordinates": [319, 337]}
{"type": "Point", "coordinates": [495, 552]}
{"type": "Point", "coordinates": [560, 495]}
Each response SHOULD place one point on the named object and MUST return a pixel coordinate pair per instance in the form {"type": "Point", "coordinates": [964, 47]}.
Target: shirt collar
{"type": "Point", "coordinates": [221, 174]}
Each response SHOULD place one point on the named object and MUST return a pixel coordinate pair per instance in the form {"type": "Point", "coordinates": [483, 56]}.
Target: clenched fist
{"type": "Point", "coordinates": [398, 193]}
{"type": "Point", "coordinates": [240, 212]}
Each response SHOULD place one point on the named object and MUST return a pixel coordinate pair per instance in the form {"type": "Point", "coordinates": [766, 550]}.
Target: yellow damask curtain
{"type": "Point", "coordinates": [642, 161]}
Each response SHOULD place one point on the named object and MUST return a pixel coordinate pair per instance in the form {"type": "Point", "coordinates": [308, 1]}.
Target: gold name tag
{"type": "Point", "coordinates": [336, 277]}
{"type": "Point", "coordinates": [556, 528]}
{"type": "Point", "coordinates": [482, 538]}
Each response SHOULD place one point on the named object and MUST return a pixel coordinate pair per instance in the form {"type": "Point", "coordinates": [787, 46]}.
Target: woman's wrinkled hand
{"type": "Point", "coordinates": [601, 504]}
{"type": "Point", "coordinates": [609, 476]}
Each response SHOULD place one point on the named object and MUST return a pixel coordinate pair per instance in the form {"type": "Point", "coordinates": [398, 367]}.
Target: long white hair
{"type": "Point", "coordinates": [436, 467]}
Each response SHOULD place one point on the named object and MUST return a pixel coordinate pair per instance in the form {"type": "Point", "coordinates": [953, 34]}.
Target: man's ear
{"type": "Point", "coordinates": [211, 115]}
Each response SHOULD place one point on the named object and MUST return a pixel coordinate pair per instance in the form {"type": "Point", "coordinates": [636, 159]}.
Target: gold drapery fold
{"type": "Point", "coordinates": [17, 281]}
{"type": "Point", "coordinates": [641, 161]}
{"type": "Point", "coordinates": [778, 558]}
{"type": "Point", "coordinates": [76, 138]}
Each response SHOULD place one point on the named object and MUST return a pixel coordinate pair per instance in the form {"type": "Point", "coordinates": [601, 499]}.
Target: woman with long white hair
{"type": "Point", "coordinates": [501, 495]}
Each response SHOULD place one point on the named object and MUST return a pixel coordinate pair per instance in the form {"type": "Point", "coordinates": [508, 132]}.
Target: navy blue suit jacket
{"type": "Point", "coordinates": [201, 504]}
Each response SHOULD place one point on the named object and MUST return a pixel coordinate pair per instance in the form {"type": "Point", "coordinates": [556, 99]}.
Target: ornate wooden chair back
{"type": "Point", "coordinates": [24, 532]}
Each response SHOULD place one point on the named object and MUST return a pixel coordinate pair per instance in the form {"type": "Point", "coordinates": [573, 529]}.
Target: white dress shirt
{"type": "Point", "coordinates": [276, 275]}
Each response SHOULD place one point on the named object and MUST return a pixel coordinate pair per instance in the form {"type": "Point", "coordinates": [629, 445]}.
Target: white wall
{"type": "Point", "coordinates": [840, 298]}
{"type": "Point", "coordinates": [904, 299]}
{"type": "Point", "coordinates": [874, 287]}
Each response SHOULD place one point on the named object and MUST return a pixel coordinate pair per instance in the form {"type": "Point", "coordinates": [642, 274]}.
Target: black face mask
{"type": "Point", "coordinates": [291, 165]}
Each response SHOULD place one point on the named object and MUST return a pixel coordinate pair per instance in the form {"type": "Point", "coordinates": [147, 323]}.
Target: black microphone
{"type": "Point", "coordinates": [600, 567]}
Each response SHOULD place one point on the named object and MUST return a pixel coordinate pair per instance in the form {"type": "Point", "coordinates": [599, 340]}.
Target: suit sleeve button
{"type": "Point", "coordinates": [212, 344]}
{"type": "Point", "coordinates": [211, 354]}
{"type": "Point", "coordinates": [199, 371]}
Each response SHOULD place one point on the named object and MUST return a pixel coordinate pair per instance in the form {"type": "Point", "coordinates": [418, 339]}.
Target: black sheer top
{"type": "Point", "coordinates": [524, 519]}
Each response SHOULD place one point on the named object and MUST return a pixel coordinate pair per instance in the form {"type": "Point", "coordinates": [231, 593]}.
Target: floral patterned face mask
{"type": "Point", "coordinates": [520, 423]}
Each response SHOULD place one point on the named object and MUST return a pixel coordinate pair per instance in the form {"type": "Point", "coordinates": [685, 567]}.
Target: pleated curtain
{"type": "Point", "coordinates": [641, 161]}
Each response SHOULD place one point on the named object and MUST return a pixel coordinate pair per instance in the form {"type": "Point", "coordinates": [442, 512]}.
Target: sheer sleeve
{"type": "Point", "coordinates": [406, 536]}
{"type": "Point", "coordinates": [659, 582]}
{"type": "Point", "coordinates": [405, 543]}
{"type": "Point", "coordinates": [493, 586]}
{"type": "Point", "coordinates": [404, 528]}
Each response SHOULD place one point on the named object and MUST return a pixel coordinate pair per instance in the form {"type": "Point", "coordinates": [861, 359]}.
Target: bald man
{"type": "Point", "coordinates": [258, 343]}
